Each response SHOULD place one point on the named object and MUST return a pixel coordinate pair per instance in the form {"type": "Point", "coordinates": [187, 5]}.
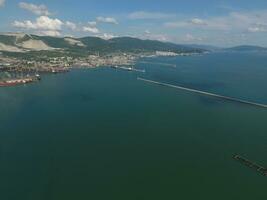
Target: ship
{"type": "Point", "coordinates": [20, 81]}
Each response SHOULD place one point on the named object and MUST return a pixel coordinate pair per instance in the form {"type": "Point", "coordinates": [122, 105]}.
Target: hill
{"type": "Point", "coordinates": [19, 42]}
{"type": "Point", "coordinates": [207, 47]}
{"type": "Point", "coordinates": [246, 48]}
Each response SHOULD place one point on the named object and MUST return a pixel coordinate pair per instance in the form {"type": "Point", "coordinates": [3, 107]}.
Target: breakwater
{"type": "Point", "coordinates": [205, 93]}
{"type": "Point", "coordinates": [129, 69]}
{"type": "Point", "coordinates": [262, 170]}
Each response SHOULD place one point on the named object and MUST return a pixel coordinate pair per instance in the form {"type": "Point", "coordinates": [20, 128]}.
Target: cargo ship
{"type": "Point", "coordinates": [19, 81]}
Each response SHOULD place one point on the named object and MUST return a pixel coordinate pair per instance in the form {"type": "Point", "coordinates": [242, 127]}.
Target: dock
{"type": "Point", "coordinates": [59, 70]}
{"type": "Point", "coordinates": [53, 70]}
{"type": "Point", "coordinates": [205, 93]}
{"type": "Point", "coordinates": [262, 170]}
{"type": "Point", "coordinates": [129, 69]}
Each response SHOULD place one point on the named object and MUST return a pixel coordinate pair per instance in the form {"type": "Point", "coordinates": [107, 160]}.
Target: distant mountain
{"type": "Point", "coordinates": [20, 42]}
{"type": "Point", "coordinates": [206, 47]}
{"type": "Point", "coordinates": [246, 48]}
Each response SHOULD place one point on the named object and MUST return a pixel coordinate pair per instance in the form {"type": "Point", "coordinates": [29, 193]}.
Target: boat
{"type": "Point", "coordinates": [6, 84]}
{"type": "Point", "coordinates": [21, 81]}
{"type": "Point", "coordinates": [38, 77]}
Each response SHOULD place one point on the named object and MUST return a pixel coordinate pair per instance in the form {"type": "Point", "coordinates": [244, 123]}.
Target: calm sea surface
{"type": "Point", "coordinates": [102, 134]}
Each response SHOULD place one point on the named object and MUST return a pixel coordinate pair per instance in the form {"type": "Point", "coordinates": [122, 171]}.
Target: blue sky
{"type": "Point", "coordinates": [213, 22]}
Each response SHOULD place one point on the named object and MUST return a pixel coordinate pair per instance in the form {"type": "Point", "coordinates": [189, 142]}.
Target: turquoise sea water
{"type": "Point", "coordinates": [101, 134]}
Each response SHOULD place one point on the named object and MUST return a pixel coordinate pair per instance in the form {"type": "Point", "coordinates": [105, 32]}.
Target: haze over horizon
{"type": "Point", "coordinates": [220, 23]}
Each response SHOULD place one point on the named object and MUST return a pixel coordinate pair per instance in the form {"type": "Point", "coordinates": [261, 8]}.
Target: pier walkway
{"type": "Point", "coordinates": [130, 69]}
{"type": "Point", "coordinates": [205, 93]}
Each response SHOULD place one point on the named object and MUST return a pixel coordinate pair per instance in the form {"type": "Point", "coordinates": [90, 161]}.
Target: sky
{"type": "Point", "coordinates": [212, 22]}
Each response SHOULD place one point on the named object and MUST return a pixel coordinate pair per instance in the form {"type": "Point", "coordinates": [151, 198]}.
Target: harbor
{"type": "Point", "coordinates": [262, 170]}
{"type": "Point", "coordinates": [17, 69]}
{"type": "Point", "coordinates": [172, 136]}
{"type": "Point", "coordinates": [205, 93]}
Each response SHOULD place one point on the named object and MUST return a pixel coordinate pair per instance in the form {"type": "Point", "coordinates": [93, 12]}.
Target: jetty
{"type": "Point", "coordinates": [158, 63]}
{"type": "Point", "coordinates": [205, 93]}
{"type": "Point", "coordinates": [129, 69]}
{"type": "Point", "coordinates": [262, 170]}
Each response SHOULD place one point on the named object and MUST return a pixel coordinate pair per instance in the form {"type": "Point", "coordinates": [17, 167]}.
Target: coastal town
{"type": "Point", "coordinates": [29, 69]}
{"type": "Point", "coordinates": [52, 64]}
{"type": "Point", "coordinates": [23, 55]}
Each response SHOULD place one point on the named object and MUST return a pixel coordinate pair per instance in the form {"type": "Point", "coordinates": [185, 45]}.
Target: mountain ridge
{"type": "Point", "coordinates": [246, 48]}
{"type": "Point", "coordinates": [21, 42]}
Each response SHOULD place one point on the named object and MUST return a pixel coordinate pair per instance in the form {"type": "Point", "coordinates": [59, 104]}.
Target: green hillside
{"type": "Point", "coordinates": [95, 44]}
{"type": "Point", "coordinates": [247, 48]}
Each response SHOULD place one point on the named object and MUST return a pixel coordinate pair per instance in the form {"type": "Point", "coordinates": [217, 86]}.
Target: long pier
{"type": "Point", "coordinates": [158, 63]}
{"type": "Point", "coordinates": [262, 170]}
{"type": "Point", "coordinates": [205, 93]}
{"type": "Point", "coordinates": [130, 69]}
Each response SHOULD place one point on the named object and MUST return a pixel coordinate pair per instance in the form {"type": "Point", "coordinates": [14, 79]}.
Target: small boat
{"type": "Point", "coordinates": [38, 77]}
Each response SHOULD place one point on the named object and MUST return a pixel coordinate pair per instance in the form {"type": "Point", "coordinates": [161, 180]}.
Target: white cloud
{"type": "Point", "coordinates": [71, 25]}
{"type": "Point", "coordinates": [198, 21]}
{"type": "Point", "coordinates": [189, 23]}
{"type": "Point", "coordinates": [36, 9]}
{"type": "Point", "coordinates": [154, 36]}
{"type": "Point", "coordinates": [149, 15]}
{"type": "Point", "coordinates": [109, 20]}
{"type": "Point", "coordinates": [43, 24]}
{"type": "Point", "coordinates": [258, 27]}
{"type": "Point", "coordinates": [92, 23]}
{"type": "Point", "coordinates": [234, 21]}
{"type": "Point", "coordinates": [147, 32]}
{"type": "Point", "coordinates": [189, 37]}
{"type": "Point", "coordinates": [106, 36]}
{"type": "Point", "coordinates": [24, 25]}
{"type": "Point", "coordinates": [52, 33]}
{"type": "Point", "coordinates": [183, 23]}
{"type": "Point", "coordinates": [2, 3]}
{"type": "Point", "coordinates": [89, 29]}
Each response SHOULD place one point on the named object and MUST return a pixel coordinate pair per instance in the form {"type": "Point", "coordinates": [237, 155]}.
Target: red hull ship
{"type": "Point", "coordinates": [22, 81]}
